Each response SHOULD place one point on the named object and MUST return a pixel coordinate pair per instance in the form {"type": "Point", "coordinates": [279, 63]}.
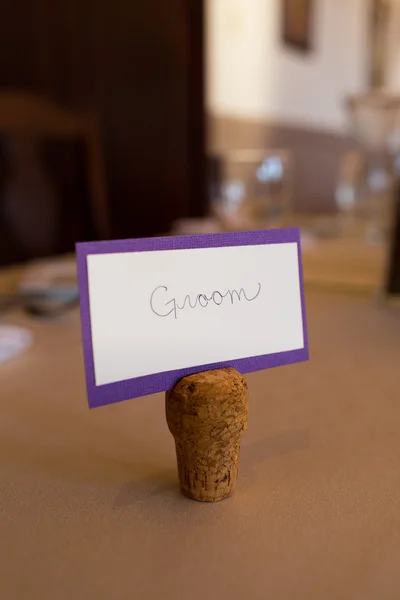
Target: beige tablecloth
{"type": "Point", "coordinates": [89, 505]}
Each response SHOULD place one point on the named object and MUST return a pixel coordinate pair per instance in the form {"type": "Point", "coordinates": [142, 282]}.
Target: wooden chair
{"type": "Point", "coordinates": [31, 214]}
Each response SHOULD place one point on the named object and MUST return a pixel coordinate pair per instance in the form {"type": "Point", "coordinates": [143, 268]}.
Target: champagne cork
{"type": "Point", "coordinates": [207, 416]}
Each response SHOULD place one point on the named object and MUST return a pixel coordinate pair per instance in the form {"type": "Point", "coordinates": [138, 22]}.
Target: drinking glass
{"type": "Point", "coordinates": [253, 189]}
{"type": "Point", "coordinates": [374, 122]}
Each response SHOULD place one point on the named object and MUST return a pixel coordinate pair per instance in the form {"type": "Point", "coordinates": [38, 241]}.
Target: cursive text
{"type": "Point", "coordinates": [163, 305]}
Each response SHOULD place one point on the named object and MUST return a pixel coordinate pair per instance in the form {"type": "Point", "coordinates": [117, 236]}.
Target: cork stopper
{"type": "Point", "coordinates": [207, 416]}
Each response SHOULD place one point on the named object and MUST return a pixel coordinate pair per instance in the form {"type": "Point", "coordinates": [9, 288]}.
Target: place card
{"type": "Point", "coordinates": [157, 309]}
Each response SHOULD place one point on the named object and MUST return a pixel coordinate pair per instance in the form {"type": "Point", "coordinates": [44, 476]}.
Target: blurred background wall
{"type": "Point", "coordinates": [252, 75]}
{"type": "Point", "coordinates": [261, 93]}
{"type": "Point", "coordinates": [392, 46]}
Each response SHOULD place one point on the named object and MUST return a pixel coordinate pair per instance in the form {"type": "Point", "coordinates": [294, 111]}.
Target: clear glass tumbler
{"type": "Point", "coordinates": [254, 190]}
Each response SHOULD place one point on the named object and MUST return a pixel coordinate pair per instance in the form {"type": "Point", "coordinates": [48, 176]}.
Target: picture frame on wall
{"type": "Point", "coordinates": [297, 24]}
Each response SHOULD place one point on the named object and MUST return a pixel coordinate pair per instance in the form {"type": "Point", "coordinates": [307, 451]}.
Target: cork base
{"type": "Point", "coordinates": [207, 415]}
{"type": "Point", "coordinates": [207, 485]}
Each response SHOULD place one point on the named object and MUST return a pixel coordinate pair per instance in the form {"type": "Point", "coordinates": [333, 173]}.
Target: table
{"type": "Point", "coordinates": [89, 504]}
{"type": "Point", "coordinates": [345, 265]}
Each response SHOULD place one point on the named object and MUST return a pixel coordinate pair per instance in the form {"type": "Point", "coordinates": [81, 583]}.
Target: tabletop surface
{"type": "Point", "coordinates": [89, 503]}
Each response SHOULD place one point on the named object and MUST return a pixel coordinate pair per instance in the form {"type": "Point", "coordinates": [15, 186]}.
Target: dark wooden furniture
{"type": "Point", "coordinates": [139, 66]}
{"type": "Point", "coordinates": [393, 276]}
{"type": "Point", "coordinates": [40, 212]}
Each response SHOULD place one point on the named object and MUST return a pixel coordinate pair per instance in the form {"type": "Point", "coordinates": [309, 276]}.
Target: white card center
{"type": "Point", "coordinates": [160, 311]}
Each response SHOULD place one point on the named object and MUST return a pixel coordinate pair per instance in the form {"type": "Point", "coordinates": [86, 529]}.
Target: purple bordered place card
{"type": "Point", "coordinates": [154, 310]}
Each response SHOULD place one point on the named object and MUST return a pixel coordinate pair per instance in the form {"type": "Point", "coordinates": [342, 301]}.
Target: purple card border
{"type": "Point", "coordinates": [158, 382]}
